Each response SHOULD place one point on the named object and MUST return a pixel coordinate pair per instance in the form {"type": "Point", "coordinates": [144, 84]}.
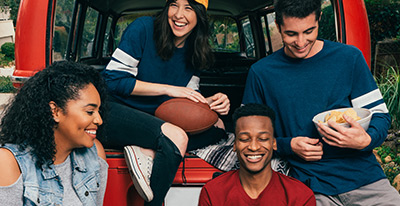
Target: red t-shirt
{"type": "Point", "coordinates": [281, 190]}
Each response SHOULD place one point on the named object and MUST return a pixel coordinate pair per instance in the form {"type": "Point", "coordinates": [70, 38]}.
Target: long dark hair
{"type": "Point", "coordinates": [199, 51]}
{"type": "Point", "coordinates": [28, 120]}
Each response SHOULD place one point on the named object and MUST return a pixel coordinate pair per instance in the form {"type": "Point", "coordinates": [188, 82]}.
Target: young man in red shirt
{"type": "Point", "coordinates": [255, 183]}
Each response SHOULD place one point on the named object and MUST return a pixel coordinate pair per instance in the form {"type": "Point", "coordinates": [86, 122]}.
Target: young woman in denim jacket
{"type": "Point", "coordinates": [49, 154]}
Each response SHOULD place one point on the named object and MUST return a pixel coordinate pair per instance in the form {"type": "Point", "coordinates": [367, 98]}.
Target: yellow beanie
{"type": "Point", "coordinates": [204, 2]}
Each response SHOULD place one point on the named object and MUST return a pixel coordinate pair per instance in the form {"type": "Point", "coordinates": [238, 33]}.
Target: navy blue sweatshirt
{"type": "Point", "coordinates": [136, 59]}
{"type": "Point", "coordinates": [298, 89]}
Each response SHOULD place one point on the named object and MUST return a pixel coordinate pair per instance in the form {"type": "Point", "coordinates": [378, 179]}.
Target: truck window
{"type": "Point", "coordinates": [107, 38]}
{"type": "Point", "coordinates": [327, 28]}
{"type": "Point", "coordinates": [248, 36]}
{"type": "Point", "coordinates": [267, 39]}
{"type": "Point", "coordinates": [123, 22]}
{"type": "Point", "coordinates": [89, 30]}
{"type": "Point", "coordinates": [62, 23]}
{"type": "Point", "coordinates": [272, 36]}
{"type": "Point", "coordinates": [224, 34]}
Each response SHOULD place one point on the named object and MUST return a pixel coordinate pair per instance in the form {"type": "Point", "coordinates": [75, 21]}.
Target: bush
{"type": "Point", "coordinates": [391, 170]}
{"type": "Point", "coordinates": [384, 18]}
{"type": "Point", "coordinates": [8, 50]}
{"type": "Point", "coordinates": [6, 85]}
{"type": "Point", "coordinates": [389, 85]}
{"type": "Point", "coordinates": [5, 61]}
{"type": "Point", "coordinates": [7, 54]}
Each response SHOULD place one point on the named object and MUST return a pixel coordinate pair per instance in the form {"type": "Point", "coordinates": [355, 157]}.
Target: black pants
{"type": "Point", "coordinates": [129, 126]}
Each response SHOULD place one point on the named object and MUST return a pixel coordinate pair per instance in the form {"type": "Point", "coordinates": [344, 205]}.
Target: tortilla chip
{"type": "Point", "coordinates": [337, 116]}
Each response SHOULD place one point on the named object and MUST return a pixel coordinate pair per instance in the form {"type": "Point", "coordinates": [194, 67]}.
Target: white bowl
{"type": "Point", "coordinates": [364, 114]}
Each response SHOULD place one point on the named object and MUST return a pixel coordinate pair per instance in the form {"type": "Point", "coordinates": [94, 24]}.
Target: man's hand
{"type": "Point", "coordinates": [354, 137]}
{"type": "Point", "coordinates": [309, 149]}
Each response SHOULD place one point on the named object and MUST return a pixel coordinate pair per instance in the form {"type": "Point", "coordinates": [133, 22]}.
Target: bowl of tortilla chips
{"type": "Point", "coordinates": [361, 115]}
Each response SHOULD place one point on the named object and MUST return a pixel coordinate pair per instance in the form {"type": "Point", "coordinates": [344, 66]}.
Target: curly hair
{"type": "Point", "coordinates": [199, 50]}
{"type": "Point", "coordinates": [28, 120]}
{"type": "Point", "coordinates": [296, 8]}
{"type": "Point", "coordinates": [253, 109]}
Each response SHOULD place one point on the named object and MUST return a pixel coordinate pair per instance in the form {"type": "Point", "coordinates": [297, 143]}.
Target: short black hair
{"type": "Point", "coordinates": [296, 8]}
{"type": "Point", "coordinates": [253, 109]}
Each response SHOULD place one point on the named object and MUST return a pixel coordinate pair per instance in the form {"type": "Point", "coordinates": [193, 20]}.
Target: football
{"type": "Point", "coordinates": [192, 117]}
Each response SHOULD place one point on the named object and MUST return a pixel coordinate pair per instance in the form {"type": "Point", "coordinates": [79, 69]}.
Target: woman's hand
{"type": "Point", "coordinates": [185, 92]}
{"type": "Point", "coordinates": [154, 89]}
{"type": "Point", "coordinates": [220, 103]}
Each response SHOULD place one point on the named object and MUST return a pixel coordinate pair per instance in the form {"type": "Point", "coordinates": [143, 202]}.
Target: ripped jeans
{"type": "Point", "coordinates": [128, 126]}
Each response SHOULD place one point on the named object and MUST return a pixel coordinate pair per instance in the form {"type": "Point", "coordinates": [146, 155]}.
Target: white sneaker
{"type": "Point", "coordinates": [140, 166]}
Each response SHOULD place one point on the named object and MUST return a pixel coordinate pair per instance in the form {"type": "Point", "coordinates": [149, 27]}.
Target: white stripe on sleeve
{"type": "Point", "coordinates": [116, 66]}
{"type": "Point", "coordinates": [194, 83]}
{"type": "Point", "coordinates": [125, 58]}
{"type": "Point", "coordinates": [366, 99]}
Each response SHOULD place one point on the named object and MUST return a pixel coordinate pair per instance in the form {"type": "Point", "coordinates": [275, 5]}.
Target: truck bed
{"type": "Point", "coordinates": [192, 174]}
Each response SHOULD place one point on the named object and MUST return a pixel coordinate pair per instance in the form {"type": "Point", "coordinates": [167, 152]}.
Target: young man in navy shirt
{"type": "Point", "coordinates": [308, 76]}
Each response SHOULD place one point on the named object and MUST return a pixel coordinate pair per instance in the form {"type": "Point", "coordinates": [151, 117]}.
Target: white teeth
{"type": "Point", "coordinates": [253, 157]}
{"type": "Point", "coordinates": [179, 24]}
{"type": "Point", "coordinates": [90, 132]}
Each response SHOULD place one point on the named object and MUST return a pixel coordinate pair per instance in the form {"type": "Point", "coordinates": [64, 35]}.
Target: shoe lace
{"type": "Point", "coordinates": [146, 167]}
{"type": "Point", "coordinates": [149, 167]}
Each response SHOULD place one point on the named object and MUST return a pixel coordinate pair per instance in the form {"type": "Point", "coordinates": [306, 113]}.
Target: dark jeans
{"type": "Point", "coordinates": [128, 126]}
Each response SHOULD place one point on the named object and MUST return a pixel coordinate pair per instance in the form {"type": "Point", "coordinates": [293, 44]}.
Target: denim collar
{"type": "Point", "coordinates": [77, 159]}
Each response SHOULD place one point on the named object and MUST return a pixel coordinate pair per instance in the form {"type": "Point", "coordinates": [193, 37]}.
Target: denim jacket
{"type": "Point", "coordinates": [42, 186]}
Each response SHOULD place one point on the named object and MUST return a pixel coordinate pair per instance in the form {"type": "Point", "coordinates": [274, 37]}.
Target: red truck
{"type": "Point", "coordinates": [88, 31]}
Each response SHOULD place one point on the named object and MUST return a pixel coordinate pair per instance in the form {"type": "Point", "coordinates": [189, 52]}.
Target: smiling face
{"type": "Point", "coordinates": [78, 123]}
{"type": "Point", "coordinates": [182, 19]}
{"type": "Point", "coordinates": [299, 36]}
{"type": "Point", "coordinates": [254, 143]}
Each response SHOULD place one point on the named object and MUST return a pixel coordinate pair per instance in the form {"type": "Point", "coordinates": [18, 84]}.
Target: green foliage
{"type": "Point", "coordinates": [6, 54]}
{"type": "Point", "coordinates": [8, 50]}
{"type": "Point", "coordinates": [384, 18]}
{"type": "Point", "coordinates": [123, 23]}
{"type": "Point", "coordinates": [389, 85]}
{"type": "Point", "coordinates": [62, 19]}
{"type": "Point", "coordinates": [391, 170]}
{"type": "Point", "coordinates": [60, 40]}
{"type": "Point", "coordinates": [224, 34]}
{"type": "Point", "coordinates": [6, 85]}
{"type": "Point", "coordinates": [384, 151]}
{"type": "Point", "coordinates": [327, 24]}
{"type": "Point", "coordinates": [13, 5]}
{"type": "Point", "coordinates": [5, 61]}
